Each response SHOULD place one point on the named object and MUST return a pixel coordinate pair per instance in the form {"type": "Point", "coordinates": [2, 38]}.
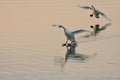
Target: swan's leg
{"type": "Point", "coordinates": [91, 15]}
{"type": "Point", "coordinates": [97, 16]}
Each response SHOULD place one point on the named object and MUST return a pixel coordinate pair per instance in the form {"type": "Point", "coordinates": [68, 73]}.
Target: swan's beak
{"type": "Point", "coordinates": [54, 25]}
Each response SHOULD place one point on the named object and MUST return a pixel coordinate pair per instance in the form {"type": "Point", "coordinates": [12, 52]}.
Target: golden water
{"type": "Point", "coordinates": [30, 48]}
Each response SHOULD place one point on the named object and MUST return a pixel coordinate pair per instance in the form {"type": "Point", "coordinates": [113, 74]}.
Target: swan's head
{"type": "Point", "coordinates": [92, 6]}
{"type": "Point", "coordinates": [60, 26]}
{"type": "Point", "coordinates": [91, 15]}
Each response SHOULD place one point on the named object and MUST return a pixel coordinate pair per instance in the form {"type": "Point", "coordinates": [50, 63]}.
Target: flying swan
{"type": "Point", "coordinates": [95, 13]}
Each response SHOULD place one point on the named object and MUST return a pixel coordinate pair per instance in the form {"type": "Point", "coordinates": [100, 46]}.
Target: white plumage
{"type": "Point", "coordinates": [70, 34]}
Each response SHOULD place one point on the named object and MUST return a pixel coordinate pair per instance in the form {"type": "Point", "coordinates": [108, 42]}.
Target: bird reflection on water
{"type": "Point", "coordinates": [97, 29]}
{"type": "Point", "coordinates": [71, 55]}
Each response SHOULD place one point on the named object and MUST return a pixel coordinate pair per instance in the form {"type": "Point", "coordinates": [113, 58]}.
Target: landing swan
{"type": "Point", "coordinates": [70, 35]}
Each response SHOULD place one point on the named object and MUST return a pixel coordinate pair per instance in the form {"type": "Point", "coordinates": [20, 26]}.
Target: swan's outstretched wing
{"type": "Point", "coordinates": [104, 15]}
{"type": "Point", "coordinates": [79, 31]}
{"type": "Point", "coordinates": [85, 7]}
{"type": "Point", "coordinates": [105, 26]}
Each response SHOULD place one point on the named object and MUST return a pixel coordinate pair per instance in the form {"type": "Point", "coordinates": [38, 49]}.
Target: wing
{"type": "Point", "coordinates": [105, 26]}
{"type": "Point", "coordinates": [85, 7]}
{"type": "Point", "coordinates": [79, 31]}
{"type": "Point", "coordinates": [104, 15]}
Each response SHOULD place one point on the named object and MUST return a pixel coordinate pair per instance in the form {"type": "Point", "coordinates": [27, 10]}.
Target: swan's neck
{"type": "Point", "coordinates": [65, 30]}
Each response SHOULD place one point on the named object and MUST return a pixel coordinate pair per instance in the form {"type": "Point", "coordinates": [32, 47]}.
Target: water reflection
{"type": "Point", "coordinates": [72, 55]}
{"type": "Point", "coordinates": [97, 29]}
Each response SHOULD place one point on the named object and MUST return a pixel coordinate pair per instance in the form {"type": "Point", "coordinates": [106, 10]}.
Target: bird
{"type": "Point", "coordinates": [70, 35]}
{"type": "Point", "coordinates": [96, 12]}
{"type": "Point", "coordinates": [97, 29]}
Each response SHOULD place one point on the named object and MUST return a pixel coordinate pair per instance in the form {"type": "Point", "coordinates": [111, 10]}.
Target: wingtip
{"type": "Point", "coordinates": [108, 19]}
{"type": "Point", "coordinates": [80, 6]}
{"type": "Point", "coordinates": [110, 23]}
{"type": "Point", "coordinates": [87, 31]}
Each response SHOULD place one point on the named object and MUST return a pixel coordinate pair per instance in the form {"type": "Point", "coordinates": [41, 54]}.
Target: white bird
{"type": "Point", "coordinates": [70, 35]}
{"type": "Point", "coordinates": [96, 12]}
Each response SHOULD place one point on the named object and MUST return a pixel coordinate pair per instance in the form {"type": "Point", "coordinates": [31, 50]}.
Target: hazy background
{"type": "Point", "coordinates": [29, 43]}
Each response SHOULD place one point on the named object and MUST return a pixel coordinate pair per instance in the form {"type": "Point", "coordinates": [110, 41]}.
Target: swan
{"type": "Point", "coordinates": [70, 35]}
{"type": "Point", "coordinates": [95, 13]}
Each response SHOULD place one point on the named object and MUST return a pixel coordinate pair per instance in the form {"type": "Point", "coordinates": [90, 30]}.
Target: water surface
{"type": "Point", "coordinates": [30, 48]}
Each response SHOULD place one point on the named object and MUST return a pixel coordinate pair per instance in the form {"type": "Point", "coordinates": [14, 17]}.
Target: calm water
{"type": "Point", "coordinates": [30, 48]}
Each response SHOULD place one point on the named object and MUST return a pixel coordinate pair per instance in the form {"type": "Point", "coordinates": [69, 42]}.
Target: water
{"type": "Point", "coordinates": [30, 48]}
